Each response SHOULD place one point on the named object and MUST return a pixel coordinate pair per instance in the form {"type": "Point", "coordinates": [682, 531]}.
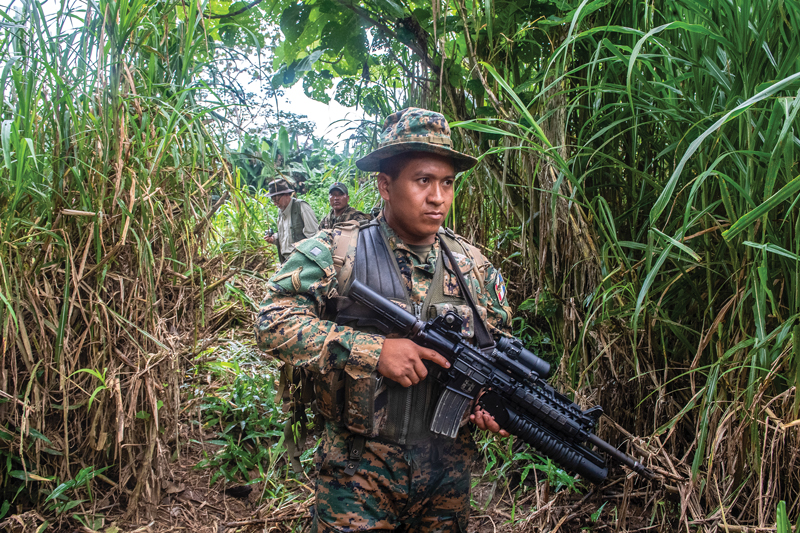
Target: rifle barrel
{"type": "Point", "coordinates": [623, 458]}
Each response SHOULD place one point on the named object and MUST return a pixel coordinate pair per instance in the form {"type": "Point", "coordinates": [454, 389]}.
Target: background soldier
{"type": "Point", "coordinates": [341, 211]}
{"type": "Point", "coordinates": [296, 220]}
{"type": "Point", "coordinates": [379, 466]}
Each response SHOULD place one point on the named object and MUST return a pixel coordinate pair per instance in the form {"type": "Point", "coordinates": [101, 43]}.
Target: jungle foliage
{"type": "Point", "coordinates": [105, 290]}
{"type": "Point", "coordinates": [646, 154]}
{"type": "Point", "coordinates": [638, 184]}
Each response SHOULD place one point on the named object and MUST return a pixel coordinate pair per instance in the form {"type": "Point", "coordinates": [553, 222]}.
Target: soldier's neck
{"type": "Point", "coordinates": [339, 212]}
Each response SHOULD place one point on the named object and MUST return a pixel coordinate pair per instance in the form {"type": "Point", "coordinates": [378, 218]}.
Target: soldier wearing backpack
{"type": "Point", "coordinates": [379, 466]}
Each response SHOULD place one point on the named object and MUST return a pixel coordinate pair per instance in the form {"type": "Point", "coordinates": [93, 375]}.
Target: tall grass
{"type": "Point", "coordinates": [680, 125]}
{"type": "Point", "coordinates": [104, 198]}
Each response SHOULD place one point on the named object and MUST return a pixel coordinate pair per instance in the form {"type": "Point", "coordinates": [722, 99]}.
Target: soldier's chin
{"type": "Point", "coordinates": [431, 228]}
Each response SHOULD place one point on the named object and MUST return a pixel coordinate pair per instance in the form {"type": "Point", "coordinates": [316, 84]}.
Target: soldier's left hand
{"type": "Point", "coordinates": [485, 421]}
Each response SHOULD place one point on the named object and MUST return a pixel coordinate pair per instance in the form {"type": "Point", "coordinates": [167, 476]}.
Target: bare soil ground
{"type": "Point", "coordinates": [191, 503]}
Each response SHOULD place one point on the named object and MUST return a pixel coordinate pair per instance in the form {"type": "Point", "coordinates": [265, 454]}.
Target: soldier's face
{"type": "Point", "coordinates": [418, 199]}
{"type": "Point", "coordinates": [338, 200]}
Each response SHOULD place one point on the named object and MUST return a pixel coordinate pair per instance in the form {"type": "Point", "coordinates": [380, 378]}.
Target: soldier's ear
{"type": "Point", "coordinates": [384, 181]}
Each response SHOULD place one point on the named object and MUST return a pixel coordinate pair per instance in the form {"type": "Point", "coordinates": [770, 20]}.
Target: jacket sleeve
{"type": "Point", "coordinates": [290, 326]}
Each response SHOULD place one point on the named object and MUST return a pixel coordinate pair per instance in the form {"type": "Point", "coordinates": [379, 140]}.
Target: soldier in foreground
{"type": "Point", "coordinates": [379, 466]}
{"type": "Point", "coordinates": [341, 210]}
{"type": "Point", "coordinates": [296, 220]}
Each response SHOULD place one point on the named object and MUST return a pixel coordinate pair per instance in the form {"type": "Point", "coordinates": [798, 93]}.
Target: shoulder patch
{"type": "Point", "coordinates": [500, 288]}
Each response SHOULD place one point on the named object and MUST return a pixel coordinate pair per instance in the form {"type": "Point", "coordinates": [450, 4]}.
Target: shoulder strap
{"type": "Point", "coordinates": [376, 267]}
{"type": "Point", "coordinates": [469, 250]}
{"type": "Point", "coordinates": [343, 243]}
{"type": "Point", "coordinates": [482, 335]}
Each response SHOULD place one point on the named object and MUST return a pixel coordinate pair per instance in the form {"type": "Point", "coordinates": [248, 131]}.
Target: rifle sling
{"type": "Point", "coordinates": [482, 335]}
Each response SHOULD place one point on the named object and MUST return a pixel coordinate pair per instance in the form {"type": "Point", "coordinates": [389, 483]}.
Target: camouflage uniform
{"type": "Point", "coordinates": [349, 213]}
{"type": "Point", "coordinates": [432, 489]}
{"type": "Point", "coordinates": [423, 486]}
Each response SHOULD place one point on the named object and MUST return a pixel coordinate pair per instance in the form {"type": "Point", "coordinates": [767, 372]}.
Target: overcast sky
{"type": "Point", "coordinates": [324, 116]}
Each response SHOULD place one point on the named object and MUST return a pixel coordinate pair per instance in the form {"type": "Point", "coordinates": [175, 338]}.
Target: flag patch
{"type": "Point", "coordinates": [500, 287]}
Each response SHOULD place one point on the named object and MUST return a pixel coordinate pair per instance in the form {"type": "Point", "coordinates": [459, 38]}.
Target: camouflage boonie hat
{"type": "Point", "coordinates": [277, 187]}
{"type": "Point", "coordinates": [415, 130]}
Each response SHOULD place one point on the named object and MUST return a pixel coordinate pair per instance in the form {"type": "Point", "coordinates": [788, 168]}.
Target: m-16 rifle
{"type": "Point", "coordinates": [509, 382]}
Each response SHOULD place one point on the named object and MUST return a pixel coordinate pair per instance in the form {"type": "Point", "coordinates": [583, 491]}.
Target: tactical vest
{"type": "Point", "coordinates": [374, 406]}
{"type": "Point", "coordinates": [296, 223]}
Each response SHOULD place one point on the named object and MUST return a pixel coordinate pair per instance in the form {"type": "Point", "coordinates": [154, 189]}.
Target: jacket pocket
{"type": "Point", "coordinates": [364, 412]}
{"type": "Point", "coordinates": [329, 394]}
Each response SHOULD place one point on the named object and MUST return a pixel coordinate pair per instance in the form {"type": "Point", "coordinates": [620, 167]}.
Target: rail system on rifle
{"type": "Point", "coordinates": [509, 383]}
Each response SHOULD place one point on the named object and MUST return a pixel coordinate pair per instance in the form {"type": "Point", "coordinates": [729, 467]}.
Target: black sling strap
{"type": "Point", "coordinates": [482, 335]}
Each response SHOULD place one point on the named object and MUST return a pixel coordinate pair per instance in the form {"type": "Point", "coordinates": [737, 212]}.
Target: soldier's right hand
{"type": "Point", "coordinates": [402, 360]}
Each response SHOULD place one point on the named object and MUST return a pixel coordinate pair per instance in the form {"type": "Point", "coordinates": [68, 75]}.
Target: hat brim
{"type": "Point", "coordinates": [372, 161]}
{"type": "Point", "coordinates": [277, 193]}
{"type": "Point", "coordinates": [340, 189]}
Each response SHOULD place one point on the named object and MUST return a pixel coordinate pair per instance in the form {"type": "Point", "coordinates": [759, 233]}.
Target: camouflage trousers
{"type": "Point", "coordinates": [420, 488]}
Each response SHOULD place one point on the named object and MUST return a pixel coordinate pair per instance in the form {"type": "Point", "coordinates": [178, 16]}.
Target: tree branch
{"type": "Point", "coordinates": [414, 47]}
{"type": "Point", "coordinates": [498, 107]}
{"type": "Point", "coordinates": [249, 6]}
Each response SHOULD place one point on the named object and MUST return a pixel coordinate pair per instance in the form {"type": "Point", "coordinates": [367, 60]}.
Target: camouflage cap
{"type": "Point", "coordinates": [277, 187]}
{"type": "Point", "coordinates": [415, 130]}
{"type": "Point", "coordinates": [338, 186]}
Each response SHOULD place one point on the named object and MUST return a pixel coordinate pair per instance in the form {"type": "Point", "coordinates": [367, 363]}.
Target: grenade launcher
{"type": "Point", "coordinates": [515, 393]}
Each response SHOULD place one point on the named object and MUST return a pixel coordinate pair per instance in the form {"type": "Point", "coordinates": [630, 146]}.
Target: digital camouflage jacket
{"type": "Point", "coordinates": [291, 326]}
{"type": "Point", "coordinates": [349, 213]}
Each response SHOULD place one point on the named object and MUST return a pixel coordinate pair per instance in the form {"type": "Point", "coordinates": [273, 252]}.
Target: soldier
{"type": "Point", "coordinates": [341, 211]}
{"type": "Point", "coordinates": [379, 466]}
{"type": "Point", "coordinates": [296, 220]}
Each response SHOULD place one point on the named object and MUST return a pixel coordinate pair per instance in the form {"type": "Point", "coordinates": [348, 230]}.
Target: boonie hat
{"type": "Point", "coordinates": [415, 130]}
{"type": "Point", "coordinates": [277, 187]}
{"type": "Point", "coordinates": [338, 186]}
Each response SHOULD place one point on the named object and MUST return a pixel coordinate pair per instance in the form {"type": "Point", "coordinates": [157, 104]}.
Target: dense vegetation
{"type": "Point", "coordinates": [638, 184]}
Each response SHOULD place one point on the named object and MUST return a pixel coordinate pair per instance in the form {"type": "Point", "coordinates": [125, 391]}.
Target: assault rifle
{"type": "Point", "coordinates": [515, 393]}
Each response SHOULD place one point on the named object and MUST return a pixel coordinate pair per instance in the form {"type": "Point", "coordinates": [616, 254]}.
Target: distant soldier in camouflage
{"type": "Point", "coordinates": [379, 466]}
{"type": "Point", "coordinates": [341, 211]}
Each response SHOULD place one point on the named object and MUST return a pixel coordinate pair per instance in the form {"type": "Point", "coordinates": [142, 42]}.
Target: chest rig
{"type": "Point", "coordinates": [374, 406]}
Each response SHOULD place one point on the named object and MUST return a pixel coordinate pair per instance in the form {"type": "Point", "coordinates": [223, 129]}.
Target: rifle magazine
{"type": "Point", "coordinates": [448, 414]}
